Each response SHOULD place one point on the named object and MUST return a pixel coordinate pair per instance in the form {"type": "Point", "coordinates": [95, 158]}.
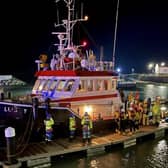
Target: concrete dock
{"type": "Point", "coordinates": [36, 154]}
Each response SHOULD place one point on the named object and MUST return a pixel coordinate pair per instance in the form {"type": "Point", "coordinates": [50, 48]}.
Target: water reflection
{"type": "Point", "coordinates": [154, 90]}
{"type": "Point", "coordinates": [150, 154]}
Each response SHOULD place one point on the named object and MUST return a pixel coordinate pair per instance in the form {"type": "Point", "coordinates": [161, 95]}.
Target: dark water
{"type": "Point", "coordinates": [149, 154]}
{"type": "Point", "coordinates": [151, 90]}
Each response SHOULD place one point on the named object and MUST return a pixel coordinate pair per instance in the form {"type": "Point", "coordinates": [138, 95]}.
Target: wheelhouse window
{"type": "Point", "coordinates": [61, 85]}
{"type": "Point", "coordinates": [40, 88]}
{"type": "Point", "coordinates": [90, 85]}
{"type": "Point", "coordinates": [100, 85]}
{"type": "Point", "coordinates": [47, 84]}
{"type": "Point", "coordinates": [37, 83]}
{"type": "Point", "coordinates": [53, 84]}
{"type": "Point", "coordinates": [105, 84]}
{"type": "Point", "coordinates": [96, 85]}
{"type": "Point", "coordinates": [113, 84]}
{"type": "Point", "coordinates": [69, 85]}
{"type": "Point", "coordinates": [82, 85]}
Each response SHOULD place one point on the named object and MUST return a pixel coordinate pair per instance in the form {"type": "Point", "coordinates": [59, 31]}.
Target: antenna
{"type": "Point", "coordinates": [115, 35]}
{"type": "Point", "coordinates": [81, 10]}
{"type": "Point", "coordinates": [101, 53]}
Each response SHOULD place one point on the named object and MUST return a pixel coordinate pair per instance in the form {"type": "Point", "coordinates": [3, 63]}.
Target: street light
{"type": "Point", "coordinates": [162, 64]}
{"type": "Point", "coordinates": [118, 70]}
{"type": "Point", "coordinates": [151, 66]}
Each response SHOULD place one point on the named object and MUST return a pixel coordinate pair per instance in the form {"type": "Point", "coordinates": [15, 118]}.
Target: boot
{"type": "Point", "coordinates": [157, 124]}
{"type": "Point", "coordinates": [83, 141]}
{"type": "Point", "coordinates": [70, 139]}
{"type": "Point", "coordinates": [89, 141]}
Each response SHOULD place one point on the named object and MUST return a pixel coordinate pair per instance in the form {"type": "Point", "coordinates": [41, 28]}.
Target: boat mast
{"type": "Point", "coordinates": [115, 35]}
{"type": "Point", "coordinates": [69, 2]}
{"type": "Point", "coordinates": [65, 38]}
{"type": "Point", "coordinates": [68, 24]}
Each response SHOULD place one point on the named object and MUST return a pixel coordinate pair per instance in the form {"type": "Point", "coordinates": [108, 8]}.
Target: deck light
{"type": "Point", "coordinates": [86, 18]}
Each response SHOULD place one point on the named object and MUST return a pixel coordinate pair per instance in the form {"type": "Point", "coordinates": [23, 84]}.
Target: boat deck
{"type": "Point", "coordinates": [43, 153]}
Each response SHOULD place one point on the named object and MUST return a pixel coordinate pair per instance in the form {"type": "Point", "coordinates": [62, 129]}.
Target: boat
{"type": "Point", "coordinates": [72, 82]}
{"type": "Point", "coordinates": [124, 84]}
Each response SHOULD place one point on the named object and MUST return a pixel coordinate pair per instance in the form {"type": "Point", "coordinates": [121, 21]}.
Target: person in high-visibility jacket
{"type": "Point", "coordinates": [123, 121]}
{"type": "Point", "coordinates": [145, 117]}
{"type": "Point", "coordinates": [87, 126]}
{"type": "Point", "coordinates": [48, 122]}
{"type": "Point", "coordinates": [72, 127]}
{"type": "Point", "coordinates": [156, 113]}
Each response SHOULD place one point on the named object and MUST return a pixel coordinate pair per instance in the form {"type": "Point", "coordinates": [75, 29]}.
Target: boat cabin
{"type": "Point", "coordinates": [79, 90]}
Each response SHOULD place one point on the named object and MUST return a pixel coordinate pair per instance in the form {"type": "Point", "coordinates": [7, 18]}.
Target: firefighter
{"type": "Point", "coordinates": [48, 122]}
{"type": "Point", "coordinates": [87, 126]}
{"type": "Point", "coordinates": [72, 127]}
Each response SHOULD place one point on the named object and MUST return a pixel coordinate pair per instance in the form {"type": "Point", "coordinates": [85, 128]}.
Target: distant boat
{"type": "Point", "coordinates": [10, 80]}
{"type": "Point", "coordinates": [123, 84]}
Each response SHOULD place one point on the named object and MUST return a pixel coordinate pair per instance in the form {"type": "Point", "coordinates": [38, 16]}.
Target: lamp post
{"type": "Point", "coordinates": [150, 67]}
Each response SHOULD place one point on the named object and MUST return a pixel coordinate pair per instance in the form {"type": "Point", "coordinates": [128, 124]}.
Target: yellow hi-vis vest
{"type": "Point", "coordinates": [86, 120]}
{"type": "Point", "coordinates": [156, 109]}
{"type": "Point", "coordinates": [49, 123]}
{"type": "Point", "coordinates": [72, 123]}
{"type": "Point", "coordinates": [137, 116]}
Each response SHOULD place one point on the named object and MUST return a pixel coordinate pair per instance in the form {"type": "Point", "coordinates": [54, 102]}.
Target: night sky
{"type": "Point", "coordinates": [142, 34]}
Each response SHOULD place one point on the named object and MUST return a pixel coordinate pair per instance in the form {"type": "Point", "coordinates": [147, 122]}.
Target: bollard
{"type": "Point", "coordinates": [9, 95]}
{"type": "Point", "coordinates": [10, 146]}
{"type": "Point", "coordinates": [2, 96]}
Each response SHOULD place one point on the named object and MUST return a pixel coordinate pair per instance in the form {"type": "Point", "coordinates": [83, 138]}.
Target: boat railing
{"type": "Point", "coordinates": [105, 65]}
{"type": "Point", "coordinates": [97, 66]}
{"type": "Point", "coordinates": [76, 64]}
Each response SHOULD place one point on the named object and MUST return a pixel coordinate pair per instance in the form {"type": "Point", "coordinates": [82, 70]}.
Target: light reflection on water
{"type": "Point", "coordinates": [150, 154]}
{"type": "Point", "coordinates": [153, 91]}
{"type": "Point", "coordinates": [150, 90]}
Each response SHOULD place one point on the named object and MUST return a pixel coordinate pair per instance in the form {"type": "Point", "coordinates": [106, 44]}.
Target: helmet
{"type": "Point", "coordinates": [86, 114]}
{"type": "Point", "coordinates": [48, 116]}
{"type": "Point", "coordinates": [131, 109]}
{"type": "Point", "coordinates": [71, 115]}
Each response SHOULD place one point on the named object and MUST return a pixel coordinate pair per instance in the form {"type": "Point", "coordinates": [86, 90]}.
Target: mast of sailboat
{"type": "Point", "coordinates": [115, 35]}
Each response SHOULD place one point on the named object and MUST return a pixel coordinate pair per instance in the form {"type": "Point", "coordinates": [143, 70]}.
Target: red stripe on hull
{"type": "Point", "coordinates": [75, 73]}
{"type": "Point", "coordinates": [73, 99]}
